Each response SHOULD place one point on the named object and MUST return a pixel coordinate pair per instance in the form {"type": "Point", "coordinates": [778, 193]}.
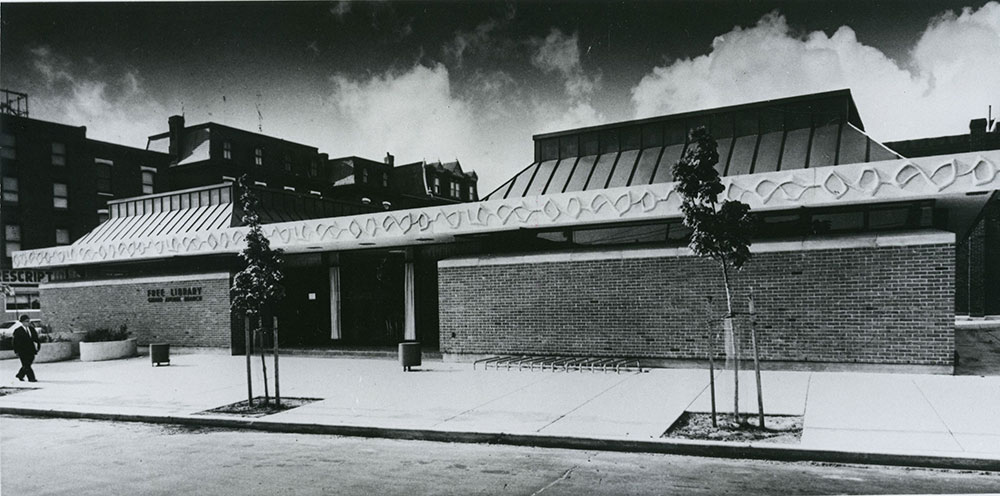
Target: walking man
{"type": "Point", "coordinates": [26, 346]}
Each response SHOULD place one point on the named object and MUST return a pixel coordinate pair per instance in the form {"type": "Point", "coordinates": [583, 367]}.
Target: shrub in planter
{"type": "Point", "coordinates": [107, 344]}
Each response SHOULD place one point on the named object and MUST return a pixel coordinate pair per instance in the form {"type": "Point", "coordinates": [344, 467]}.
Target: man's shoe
{"type": "Point", "coordinates": [32, 380]}
{"type": "Point", "coordinates": [19, 378]}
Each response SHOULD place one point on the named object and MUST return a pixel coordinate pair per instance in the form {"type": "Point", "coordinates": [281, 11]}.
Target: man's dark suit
{"type": "Point", "coordinates": [25, 339]}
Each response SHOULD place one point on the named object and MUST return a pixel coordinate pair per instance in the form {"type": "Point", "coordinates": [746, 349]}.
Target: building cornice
{"type": "Point", "coordinates": [871, 182]}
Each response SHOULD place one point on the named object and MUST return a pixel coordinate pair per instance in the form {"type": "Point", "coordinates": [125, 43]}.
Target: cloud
{"type": "Point", "coordinates": [340, 10]}
{"type": "Point", "coordinates": [560, 53]}
{"type": "Point", "coordinates": [476, 40]}
{"type": "Point", "coordinates": [948, 81]}
{"type": "Point", "coordinates": [415, 115]}
{"type": "Point", "coordinates": [114, 107]}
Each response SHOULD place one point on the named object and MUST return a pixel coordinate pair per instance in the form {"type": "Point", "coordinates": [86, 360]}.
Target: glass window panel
{"type": "Point", "coordinates": [780, 225]}
{"type": "Point", "coordinates": [837, 221]}
{"type": "Point", "coordinates": [621, 235]}
{"type": "Point", "coordinates": [742, 157]}
{"type": "Point", "coordinates": [824, 146]}
{"type": "Point", "coordinates": [12, 247]}
{"type": "Point", "coordinates": [623, 169]}
{"type": "Point", "coordinates": [631, 138]}
{"type": "Point", "coordinates": [796, 145]}
{"type": "Point", "coordinates": [724, 145]}
{"type": "Point", "coordinates": [722, 126]}
{"type": "Point", "coordinates": [602, 171]}
{"type": "Point", "coordinates": [541, 179]}
{"type": "Point", "coordinates": [665, 171]}
{"type": "Point", "coordinates": [204, 198]}
{"type": "Point", "coordinates": [521, 182]}
{"type": "Point", "coordinates": [214, 196]}
{"type": "Point", "coordinates": [880, 152]}
{"type": "Point", "coordinates": [569, 146]}
{"type": "Point", "coordinates": [678, 232]}
{"type": "Point", "coordinates": [768, 152]}
{"type": "Point", "coordinates": [12, 232]}
{"type": "Point", "coordinates": [893, 218]}
{"type": "Point", "coordinates": [561, 175]}
{"type": "Point", "coordinates": [590, 144]}
{"type": "Point", "coordinates": [853, 145]}
{"type": "Point", "coordinates": [652, 135]}
{"type": "Point", "coordinates": [647, 166]}
{"type": "Point", "coordinates": [548, 149]}
{"type": "Point", "coordinates": [225, 195]}
{"type": "Point", "coordinates": [62, 236]}
{"type": "Point", "coordinates": [609, 141]}
{"type": "Point", "coordinates": [675, 132]}
{"type": "Point", "coordinates": [10, 189]}
{"type": "Point", "coordinates": [58, 189]}
{"type": "Point", "coordinates": [60, 203]}
{"type": "Point", "coordinates": [746, 123]}
{"type": "Point", "coordinates": [8, 146]}
{"type": "Point", "coordinates": [555, 236]}
{"type": "Point", "coordinates": [147, 206]}
{"type": "Point", "coordinates": [581, 173]}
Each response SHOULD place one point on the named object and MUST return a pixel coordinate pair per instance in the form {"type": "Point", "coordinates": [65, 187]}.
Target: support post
{"type": "Point", "coordinates": [410, 303]}
{"type": "Point", "coordinates": [248, 342]}
{"type": "Point", "coordinates": [335, 330]}
{"type": "Point", "coordinates": [277, 387]}
{"type": "Point", "coordinates": [756, 360]}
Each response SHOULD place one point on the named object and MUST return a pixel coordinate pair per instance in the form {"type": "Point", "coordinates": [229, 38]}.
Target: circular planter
{"type": "Point", "coordinates": [74, 338]}
{"type": "Point", "coordinates": [107, 350]}
{"type": "Point", "coordinates": [54, 352]}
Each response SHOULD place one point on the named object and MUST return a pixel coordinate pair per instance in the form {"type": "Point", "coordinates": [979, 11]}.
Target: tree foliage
{"type": "Point", "coordinates": [721, 232]}
{"type": "Point", "coordinates": [259, 283]}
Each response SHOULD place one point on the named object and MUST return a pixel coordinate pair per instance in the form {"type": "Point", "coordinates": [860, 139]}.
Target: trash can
{"type": "Point", "coordinates": [159, 353]}
{"type": "Point", "coordinates": [409, 355]}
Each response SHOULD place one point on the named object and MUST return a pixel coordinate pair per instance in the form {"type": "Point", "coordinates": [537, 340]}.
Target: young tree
{"type": "Point", "coordinates": [721, 232]}
{"type": "Point", "coordinates": [258, 285]}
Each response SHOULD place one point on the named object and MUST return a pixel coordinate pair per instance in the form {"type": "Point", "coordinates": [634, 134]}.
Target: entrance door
{"type": "Point", "coordinates": [304, 314]}
{"type": "Point", "coordinates": [371, 298]}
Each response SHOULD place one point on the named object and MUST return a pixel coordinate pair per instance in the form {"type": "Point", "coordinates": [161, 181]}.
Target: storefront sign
{"type": "Point", "coordinates": [24, 276]}
{"type": "Point", "coordinates": [173, 294]}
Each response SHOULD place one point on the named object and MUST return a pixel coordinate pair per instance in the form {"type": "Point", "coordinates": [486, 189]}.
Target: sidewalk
{"type": "Point", "coordinates": [861, 416]}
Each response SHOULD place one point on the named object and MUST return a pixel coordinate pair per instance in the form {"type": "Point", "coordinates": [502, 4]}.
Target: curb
{"type": "Point", "coordinates": [714, 450]}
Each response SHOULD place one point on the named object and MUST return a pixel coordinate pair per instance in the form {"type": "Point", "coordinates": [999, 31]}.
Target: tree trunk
{"type": "Point", "coordinates": [248, 341]}
{"type": "Point", "coordinates": [736, 343]}
{"type": "Point", "coordinates": [277, 390]}
{"type": "Point", "coordinates": [756, 359]}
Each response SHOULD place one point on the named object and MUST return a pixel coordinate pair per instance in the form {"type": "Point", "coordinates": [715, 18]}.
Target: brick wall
{"type": "Point", "coordinates": [95, 304]}
{"type": "Point", "coordinates": [892, 305]}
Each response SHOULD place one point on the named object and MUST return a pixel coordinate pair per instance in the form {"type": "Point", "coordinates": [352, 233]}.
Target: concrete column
{"type": "Point", "coordinates": [335, 332]}
{"type": "Point", "coordinates": [409, 304]}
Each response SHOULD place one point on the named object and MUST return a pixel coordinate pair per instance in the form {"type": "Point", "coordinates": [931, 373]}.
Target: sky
{"type": "Point", "coordinates": [474, 81]}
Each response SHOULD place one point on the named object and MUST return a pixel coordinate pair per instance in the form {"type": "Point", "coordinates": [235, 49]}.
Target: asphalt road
{"type": "Point", "coordinates": [80, 457]}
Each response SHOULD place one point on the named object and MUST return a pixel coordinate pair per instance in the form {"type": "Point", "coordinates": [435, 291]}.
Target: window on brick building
{"type": "Point", "coordinates": [10, 190]}
{"type": "Point", "coordinates": [58, 154]}
{"type": "Point", "coordinates": [227, 150]}
{"type": "Point", "coordinates": [8, 146]}
{"type": "Point", "coordinates": [147, 182]}
{"type": "Point", "coordinates": [60, 195]}
{"type": "Point", "coordinates": [472, 192]}
{"type": "Point", "coordinates": [456, 190]}
{"type": "Point", "coordinates": [364, 175]}
{"type": "Point", "coordinates": [313, 168]}
{"type": "Point", "coordinates": [62, 236]}
{"type": "Point", "coordinates": [12, 238]}
{"type": "Point", "coordinates": [258, 156]}
{"type": "Point", "coordinates": [103, 168]}
{"type": "Point", "coordinates": [437, 186]}
{"type": "Point", "coordinates": [385, 179]}
{"type": "Point", "coordinates": [287, 163]}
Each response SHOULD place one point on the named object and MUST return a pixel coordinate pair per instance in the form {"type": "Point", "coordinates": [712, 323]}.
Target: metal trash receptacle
{"type": "Point", "coordinates": [409, 355]}
{"type": "Point", "coordinates": [159, 353]}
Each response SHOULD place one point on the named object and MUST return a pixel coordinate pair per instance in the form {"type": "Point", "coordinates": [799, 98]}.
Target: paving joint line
{"type": "Point", "coordinates": [609, 388]}
{"type": "Point", "coordinates": [937, 414]}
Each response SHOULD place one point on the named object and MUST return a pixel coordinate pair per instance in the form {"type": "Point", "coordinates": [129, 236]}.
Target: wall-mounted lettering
{"type": "Point", "coordinates": [173, 295]}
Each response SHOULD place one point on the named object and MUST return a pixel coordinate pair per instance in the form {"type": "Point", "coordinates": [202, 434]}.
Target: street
{"type": "Point", "coordinates": [63, 456]}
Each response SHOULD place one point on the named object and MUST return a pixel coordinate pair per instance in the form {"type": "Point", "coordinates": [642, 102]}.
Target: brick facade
{"type": "Point", "coordinates": [95, 304]}
{"type": "Point", "coordinates": [888, 305]}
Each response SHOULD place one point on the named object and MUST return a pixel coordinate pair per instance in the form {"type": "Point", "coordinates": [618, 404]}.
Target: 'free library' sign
{"type": "Point", "coordinates": [173, 294]}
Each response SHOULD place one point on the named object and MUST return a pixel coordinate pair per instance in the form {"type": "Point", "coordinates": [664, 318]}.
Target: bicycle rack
{"type": "Point", "coordinates": [558, 363]}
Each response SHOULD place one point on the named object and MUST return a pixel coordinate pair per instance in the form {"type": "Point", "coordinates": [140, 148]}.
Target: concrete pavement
{"type": "Point", "coordinates": [913, 415]}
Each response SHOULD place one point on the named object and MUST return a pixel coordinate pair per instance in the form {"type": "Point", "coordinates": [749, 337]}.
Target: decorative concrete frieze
{"type": "Point", "coordinates": [871, 182]}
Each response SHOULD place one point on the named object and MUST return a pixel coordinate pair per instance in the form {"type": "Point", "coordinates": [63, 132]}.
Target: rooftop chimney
{"type": "Point", "coordinates": [176, 124]}
{"type": "Point", "coordinates": [389, 159]}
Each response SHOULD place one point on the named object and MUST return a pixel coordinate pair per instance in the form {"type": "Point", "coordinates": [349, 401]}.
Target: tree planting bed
{"type": "Point", "coordinates": [258, 408]}
{"type": "Point", "coordinates": [782, 429]}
